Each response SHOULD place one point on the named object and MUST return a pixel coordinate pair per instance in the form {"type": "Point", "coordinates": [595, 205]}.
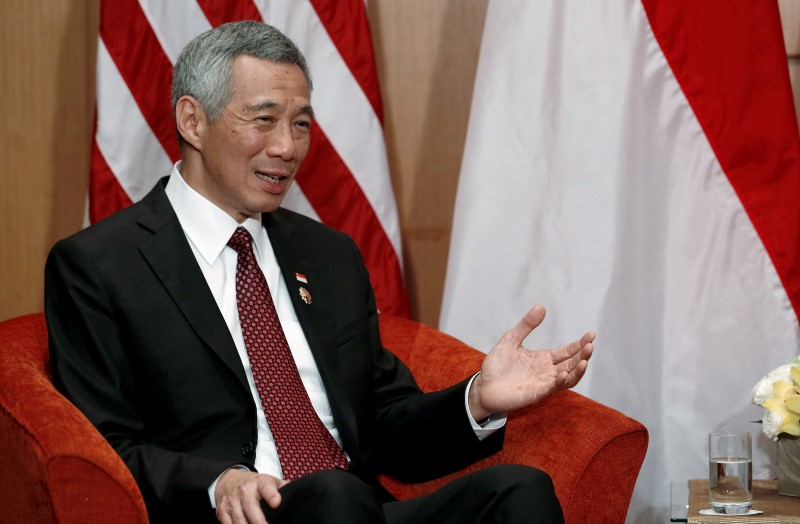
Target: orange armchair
{"type": "Point", "coordinates": [56, 467]}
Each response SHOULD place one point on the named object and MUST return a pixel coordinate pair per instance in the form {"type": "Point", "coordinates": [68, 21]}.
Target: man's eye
{"type": "Point", "coordinates": [304, 124]}
{"type": "Point", "coordinates": [264, 118]}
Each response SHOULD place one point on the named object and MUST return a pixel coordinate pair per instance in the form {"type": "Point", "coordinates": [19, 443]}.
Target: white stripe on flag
{"type": "Point", "coordinates": [131, 150]}
{"type": "Point", "coordinates": [296, 200]}
{"type": "Point", "coordinates": [175, 23]}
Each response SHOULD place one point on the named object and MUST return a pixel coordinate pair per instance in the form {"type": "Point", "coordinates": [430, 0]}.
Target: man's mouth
{"type": "Point", "coordinates": [275, 179]}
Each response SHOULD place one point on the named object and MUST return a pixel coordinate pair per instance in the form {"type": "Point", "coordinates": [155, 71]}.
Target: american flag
{"type": "Point", "coordinates": [344, 181]}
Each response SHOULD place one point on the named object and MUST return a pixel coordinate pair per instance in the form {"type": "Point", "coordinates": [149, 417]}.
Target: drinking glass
{"type": "Point", "coordinates": [730, 472]}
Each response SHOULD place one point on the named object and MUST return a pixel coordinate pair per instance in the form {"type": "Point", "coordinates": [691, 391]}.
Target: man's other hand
{"type": "Point", "coordinates": [239, 494]}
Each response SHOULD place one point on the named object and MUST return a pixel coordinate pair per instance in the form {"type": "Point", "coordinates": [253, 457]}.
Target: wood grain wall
{"type": "Point", "coordinates": [427, 53]}
{"type": "Point", "coordinates": [790, 20]}
{"type": "Point", "coordinates": [47, 50]}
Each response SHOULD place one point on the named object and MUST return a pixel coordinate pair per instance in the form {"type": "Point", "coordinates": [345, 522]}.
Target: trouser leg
{"type": "Point", "coordinates": [327, 497]}
{"type": "Point", "coordinates": [503, 493]}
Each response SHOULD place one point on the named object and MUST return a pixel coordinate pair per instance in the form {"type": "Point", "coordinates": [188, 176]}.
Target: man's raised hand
{"type": "Point", "coordinates": [513, 377]}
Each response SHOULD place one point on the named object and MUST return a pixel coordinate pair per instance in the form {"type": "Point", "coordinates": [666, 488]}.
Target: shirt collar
{"type": "Point", "coordinates": [207, 226]}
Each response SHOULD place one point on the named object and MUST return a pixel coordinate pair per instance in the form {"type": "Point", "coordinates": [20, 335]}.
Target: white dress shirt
{"type": "Point", "coordinates": [208, 229]}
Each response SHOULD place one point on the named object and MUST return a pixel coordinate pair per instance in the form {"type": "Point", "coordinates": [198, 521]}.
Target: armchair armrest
{"type": "Point", "coordinates": [592, 452]}
{"type": "Point", "coordinates": [56, 466]}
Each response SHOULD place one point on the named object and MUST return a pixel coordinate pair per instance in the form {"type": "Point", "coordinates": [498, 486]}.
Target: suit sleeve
{"type": "Point", "coordinates": [92, 368]}
{"type": "Point", "coordinates": [419, 436]}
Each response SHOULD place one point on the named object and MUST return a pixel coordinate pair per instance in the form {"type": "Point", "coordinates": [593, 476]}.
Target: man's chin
{"type": "Point", "coordinates": [268, 206]}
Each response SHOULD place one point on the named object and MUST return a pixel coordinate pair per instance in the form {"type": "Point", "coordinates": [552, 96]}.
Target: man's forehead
{"type": "Point", "coordinates": [260, 84]}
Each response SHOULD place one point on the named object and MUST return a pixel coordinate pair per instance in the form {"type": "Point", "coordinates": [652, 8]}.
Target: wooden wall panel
{"type": "Point", "coordinates": [790, 21]}
{"type": "Point", "coordinates": [427, 53]}
{"type": "Point", "coordinates": [47, 50]}
{"type": "Point", "coordinates": [794, 75]}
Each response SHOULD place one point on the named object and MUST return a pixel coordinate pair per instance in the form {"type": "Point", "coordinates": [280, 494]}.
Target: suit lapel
{"type": "Point", "coordinates": [293, 258]}
{"type": "Point", "coordinates": [173, 261]}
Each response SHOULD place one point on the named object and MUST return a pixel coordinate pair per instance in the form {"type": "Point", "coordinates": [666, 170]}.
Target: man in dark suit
{"type": "Point", "coordinates": [150, 338]}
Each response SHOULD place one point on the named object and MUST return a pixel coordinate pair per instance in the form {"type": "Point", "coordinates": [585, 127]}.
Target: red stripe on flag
{"type": "Point", "coordinates": [348, 26]}
{"type": "Point", "coordinates": [730, 61]}
{"type": "Point", "coordinates": [219, 13]}
{"type": "Point", "coordinates": [106, 195]}
{"type": "Point", "coordinates": [143, 65]}
{"type": "Point", "coordinates": [340, 203]}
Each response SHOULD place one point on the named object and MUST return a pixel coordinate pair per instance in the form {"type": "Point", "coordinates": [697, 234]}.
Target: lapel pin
{"type": "Point", "coordinates": [301, 278]}
{"type": "Point", "coordinates": [305, 295]}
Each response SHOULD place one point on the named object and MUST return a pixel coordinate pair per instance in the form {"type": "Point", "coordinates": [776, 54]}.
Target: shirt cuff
{"type": "Point", "coordinates": [487, 426]}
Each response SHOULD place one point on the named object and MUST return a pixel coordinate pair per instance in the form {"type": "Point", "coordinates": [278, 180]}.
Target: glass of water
{"type": "Point", "coordinates": [730, 472]}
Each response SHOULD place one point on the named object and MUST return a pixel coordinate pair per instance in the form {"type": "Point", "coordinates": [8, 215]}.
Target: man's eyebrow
{"type": "Point", "coordinates": [269, 104]}
{"type": "Point", "coordinates": [261, 106]}
{"type": "Point", "coordinates": [307, 110]}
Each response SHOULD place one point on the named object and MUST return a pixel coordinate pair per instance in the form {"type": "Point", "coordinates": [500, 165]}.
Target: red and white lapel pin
{"type": "Point", "coordinates": [305, 296]}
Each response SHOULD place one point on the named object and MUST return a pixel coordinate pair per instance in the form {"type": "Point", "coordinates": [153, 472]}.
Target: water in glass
{"type": "Point", "coordinates": [731, 483]}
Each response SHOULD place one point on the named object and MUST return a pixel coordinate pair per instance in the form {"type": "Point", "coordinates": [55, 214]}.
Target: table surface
{"type": "Point", "coordinates": [776, 508]}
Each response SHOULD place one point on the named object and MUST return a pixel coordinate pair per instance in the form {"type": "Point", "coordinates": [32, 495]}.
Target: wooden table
{"type": "Point", "coordinates": [777, 508]}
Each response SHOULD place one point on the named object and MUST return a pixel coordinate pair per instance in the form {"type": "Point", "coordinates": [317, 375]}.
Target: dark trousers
{"type": "Point", "coordinates": [498, 494]}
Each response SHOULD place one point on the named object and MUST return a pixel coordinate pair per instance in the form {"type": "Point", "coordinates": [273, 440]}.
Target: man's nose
{"type": "Point", "coordinates": [281, 143]}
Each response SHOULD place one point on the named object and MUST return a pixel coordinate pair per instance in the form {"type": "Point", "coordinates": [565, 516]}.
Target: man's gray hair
{"type": "Point", "coordinates": [205, 66]}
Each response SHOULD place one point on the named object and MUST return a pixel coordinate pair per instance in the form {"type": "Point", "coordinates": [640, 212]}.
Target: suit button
{"type": "Point", "coordinates": [247, 449]}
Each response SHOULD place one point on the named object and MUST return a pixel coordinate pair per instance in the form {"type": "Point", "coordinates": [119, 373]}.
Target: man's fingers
{"type": "Point", "coordinates": [240, 495]}
{"type": "Point", "coordinates": [578, 372]}
{"type": "Point", "coordinates": [268, 491]}
{"type": "Point", "coordinates": [230, 512]}
{"type": "Point", "coordinates": [578, 350]}
{"type": "Point", "coordinates": [253, 512]}
{"type": "Point", "coordinates": [586, 351]}
{"type": "Point", "coordinates": [274, 500]}
{"type": "Point", "coordinates": [569, 360]}
{"type": "Point", "coordinates": [532, 319]}
{"type": "Point", "coordinates": [569, 379]}
{"type": "Point", "coordinates": [240, 515]}
{"type": "Point", "coordinates": [223, 517]}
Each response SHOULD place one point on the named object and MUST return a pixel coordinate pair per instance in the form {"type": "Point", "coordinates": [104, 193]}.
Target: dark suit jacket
{"type": "Point", "coordinates": [138, 344]}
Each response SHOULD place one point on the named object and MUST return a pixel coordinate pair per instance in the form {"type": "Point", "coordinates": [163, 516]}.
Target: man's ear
{"type": "Point", "coordinates": [191, 120]}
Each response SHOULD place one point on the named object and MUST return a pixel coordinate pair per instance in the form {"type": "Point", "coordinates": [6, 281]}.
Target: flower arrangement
{"type": "Point", "coordinates": [779, 394]}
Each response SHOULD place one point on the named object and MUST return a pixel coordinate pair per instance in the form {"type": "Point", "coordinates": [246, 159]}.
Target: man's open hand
{"type": "Point", "coordinates": [513, 377]}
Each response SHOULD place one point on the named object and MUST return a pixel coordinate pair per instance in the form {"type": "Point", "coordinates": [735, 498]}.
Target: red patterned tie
{"type": "Point", "coordinates": [304, 443]}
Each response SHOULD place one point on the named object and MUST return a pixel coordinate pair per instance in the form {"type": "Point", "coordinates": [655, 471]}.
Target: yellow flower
{"type": "Point", "coordinates": [785, 402]}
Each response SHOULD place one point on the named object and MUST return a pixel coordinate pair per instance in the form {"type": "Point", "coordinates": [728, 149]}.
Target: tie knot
{"type": "Point", "coordinates": [241, 241]}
